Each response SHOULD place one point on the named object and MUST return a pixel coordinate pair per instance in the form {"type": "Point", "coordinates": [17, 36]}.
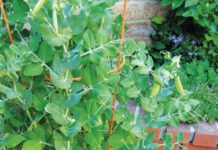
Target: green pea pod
{"type": "Point", "coordinates": [38, 6]}
{"type": "Point", "coordinates": [178, 85]}
{"type": "Point", "coordinates": [155, 90]}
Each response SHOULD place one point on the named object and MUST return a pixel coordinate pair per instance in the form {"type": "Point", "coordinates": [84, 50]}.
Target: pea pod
{"type": "Point", "coordinates": [38, 6]}
{"type": "Point", "coordinates": [178, 85]}
{"type": "Point", "coordinates": [155, 90]}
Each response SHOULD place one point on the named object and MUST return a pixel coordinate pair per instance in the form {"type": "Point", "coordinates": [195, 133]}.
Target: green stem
{"type": "Point", "coordinates": [38, 6]}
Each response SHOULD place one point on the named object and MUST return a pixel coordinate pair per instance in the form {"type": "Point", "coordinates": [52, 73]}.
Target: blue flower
{"type": "Point", "coordinates": [149, 82]}
{"type": "Point", "coordinates": [180, 55]}
{"type": "Point", "coordinates": [193, 42]}
{"type": "Point", "coordinates": [190, 53]}
{"type": "Point", "coordinates": [196, 53]}
{"type": "Point", "coordinates": [180, 38]}
{"type": "Point", "coordinates": [173, 37]}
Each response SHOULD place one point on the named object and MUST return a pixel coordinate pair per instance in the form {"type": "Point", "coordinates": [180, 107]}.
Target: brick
{"type": "Point", "coordinates": [184, 128]}
{"type": "Point", "coordinates": [193, 147]}
{"type": "Point", "coordinates": [139, 28]}
{"type": "Point", "coordinates": [137, 9]}
{"type": "Point", "coordinates": [206, 135]}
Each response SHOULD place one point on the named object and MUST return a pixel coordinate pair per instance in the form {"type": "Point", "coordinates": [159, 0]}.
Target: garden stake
{"type": "Point", "coordinates": [118, 68]}
{"type": "Point", "coordinates": [9, 31]}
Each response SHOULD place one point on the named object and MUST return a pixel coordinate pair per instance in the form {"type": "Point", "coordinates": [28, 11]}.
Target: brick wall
{"type": "Point", "coordinates": [138, 15]}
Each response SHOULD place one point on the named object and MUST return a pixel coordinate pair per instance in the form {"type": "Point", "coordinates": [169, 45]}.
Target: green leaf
{"type": "Point", "coordinates": [59, 117]}
{"type": "Point", "coordinates": [94, 137]}
{"type": "Point", "coordinates": [59, 141]}
{"type": "Point", "coordinates": [149, 138]}
{"type": "Point", "coordinates": [27, 99]}
{"type": "Point", "coordinates": [34, 43]}
{"type": "Point", "coordinates": [36, 133]}
{"type": "Point", "coordinates": [46, 52]}
{"type": "Point", "coordinates": [143, 70]}
{"type": "Point", "coordinates": [63, 82]}
{"type": "Point", "coordinates": [74, 62]}
{"type": "Point", "coordinates": [74, 100]}
{"type": "Point", "coordinates": [101, 37]}
{"type": "Point", "coordinates": [57, 65]}
{"type": "Point", "coordinates": [71, 131]}
{"type": "Point", "coordinates": [158, 19]}
{"type": "Point", "coordinates": [132, 92]}
{"type": "Point", "coordinates": [126, 83]}
{"type": "Point", "coordinates": [166, 2]}
{"type": "Point", "coordinates": [55, 39]}
{"type": "Point", "coordinates": [152, 146]}
{"type": "Point", "coordinates": [39, 102]}
{"type": "Point", "coordinates": [89, 40]}
{"type": "Point", "coordinates": [116, 141]}
{"type": "Point", "coordinates": [33, 69]}
{"type": "Point", "coordinates": [4, 89]}
{"type": "Point", "coordinates": [13, 140]}
{"type": "Point", "coordinates": [167, 138]}
{"type": "Point", "coordinates": [177, 3]}
{"type": "Point", "coordinates": [189, 3]}
{"type": "Point", "coordinates": [77, 22]}
{"type": "Point", "coordinates": [32, 144]}
{"type": "Point", "coordinates": [179, 137]}
{"type": "Point", "coordinates": [2, 107]}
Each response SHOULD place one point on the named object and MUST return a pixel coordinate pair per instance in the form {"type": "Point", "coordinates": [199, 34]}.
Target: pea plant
{"type": "Point", "coordinates": [57, 81]}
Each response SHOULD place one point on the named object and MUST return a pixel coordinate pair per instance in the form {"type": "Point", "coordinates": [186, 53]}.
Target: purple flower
{"type": "Point", "coordinates": [173, 37]}
{"type": "Point", "coordinates": [180, 38]}
{"type": "Point", "coordinates": [190, 53]}
{"type": "Point", "coordinates": [149, 82]}
{"type": "Point", "coordinates": [196, 53]}
{"type": "Point", "coordinates": [0, 135]}
{"type": "Point", "coordinates": [193, 42]}
{"type": "Point", "coordinates": [180, 55]}
{"type": "Point", "coordinates": [175, 40]}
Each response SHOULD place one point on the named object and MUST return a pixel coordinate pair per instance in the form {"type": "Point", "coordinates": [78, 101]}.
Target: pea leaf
{"type": "Point", "coordinates": [166, 2]}
{"type": "Point", "coordinates": [177, 3]}
{"type": "Point", "coordinates": [77, 23]}
{"type": "Point", "coordinates": [27, 98]}
{"type": "Point", "coordinates": [132, 92]}
{"type": "Point", "coordinates": [101, 37]}
{"type": "Point", "coordinates": [74, 100]}
{"type": "Point", "coordinates": [73, 63]}
{"type": "Point", "coordinates": [179, 137]}
{"type": "Point", "coordinates": [61, 82]}
{"type": "Point", "coordinates": [94, 137]}
{"type": "Point", "coordinates": [158, 19]}
{"type": "Point", "coordinates": [52, 38]}
{"type": "Point", "coordinates": [116, 141]}
{"type": "Point", "coordinates": [56, 114]}
{"type": "Point", "coordinates": [33, 69]}
{"type": "Point", "coordinates": [59, 141]}
{"type": "Point", "coordinates": [189, 3]}
{"type": "Point", "coordinates": [32, 144]}
{"type": "Point", "coordinates": [89, 40]}
{"type": "Point", "coordinates": [13, 140]}
{"type": "Point", "coordinates": [71, 131]}
{"type": "Point", "coordinates": [46, 52]}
